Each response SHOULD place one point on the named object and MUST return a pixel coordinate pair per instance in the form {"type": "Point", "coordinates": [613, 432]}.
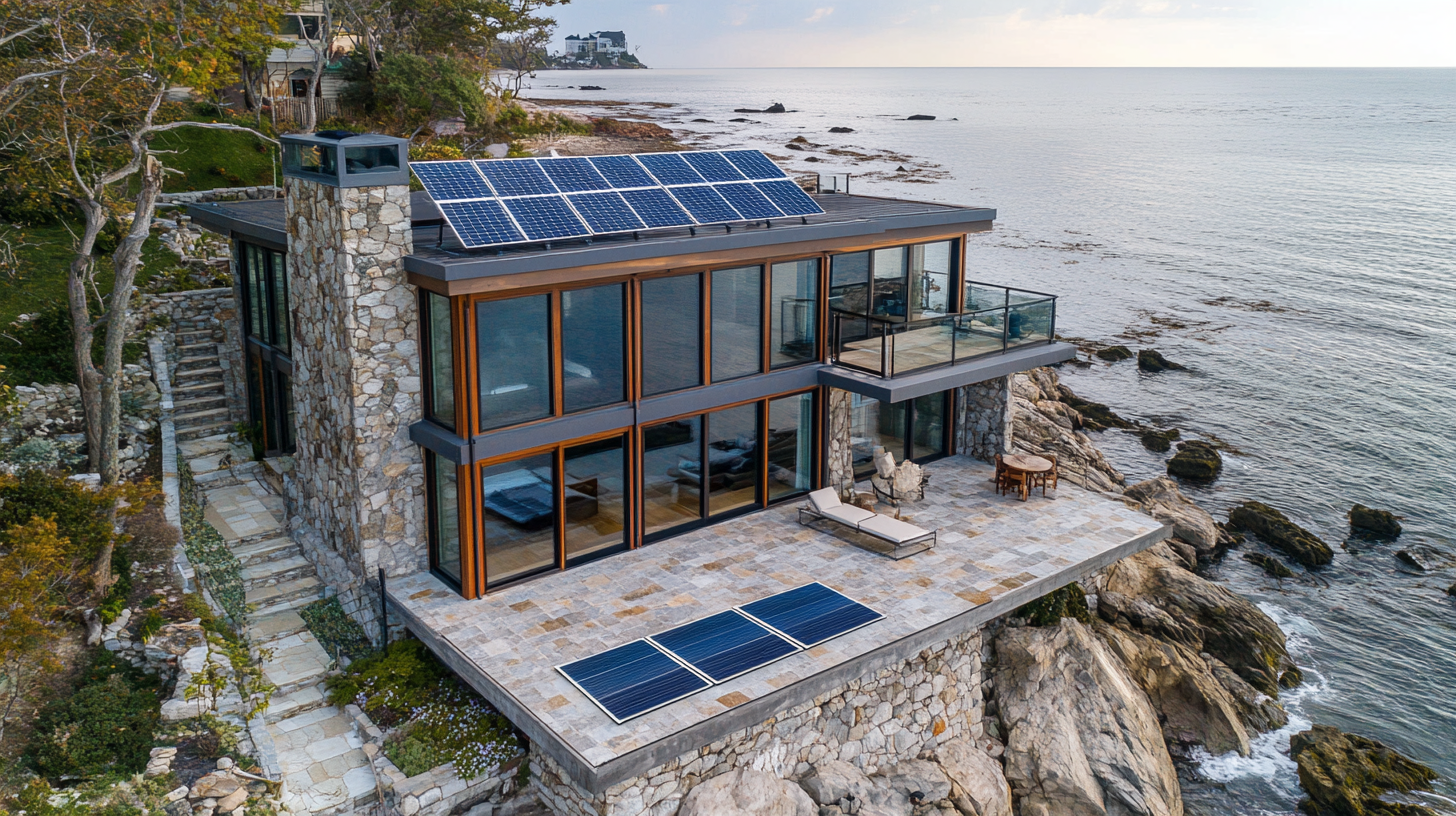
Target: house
{"type": "Point", "coordinates": [597, 42]}
{"type": "Point", "coordinates": [534, 453]}
{"type": "Point", "coordinates": [290, 64]}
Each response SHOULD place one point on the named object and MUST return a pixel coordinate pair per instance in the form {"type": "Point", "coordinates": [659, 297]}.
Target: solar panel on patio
{"type": "Point", "coordinates": [481, 223]}
{"type": "Point", "coordinates": [451, 180]}
{"type": "Point", "coordinates": [705, 204]}
{"type": "Point", "coordinates": [789, 197]}
{"type": "Point", "coordinates": [622, 172]}
{"type": "Point", "coordinates": [669, 168]}
{"type": "Point", "coordinates": [725, 645]}
{"type": "Point", "coordinates": [748, 201]}
{"type": "Point", "coordinates": [516, 177]}
{"type": "Point", "coordinates": [632, 680]}
{"type": "Point", "coordinates": [713, 167]}
{"type": "Point", "coordinates": [657, 209]}
{"type": "Point", "coordinates": [811, 614]}
{"type": "Point", "coordinates": [573, 174]}
{"type": "Point", "coordinates": [545, 218]}
{"type": "Point", "coordinates": [606, 212]}
{"type": "Point", "coordinates": [754, 164]}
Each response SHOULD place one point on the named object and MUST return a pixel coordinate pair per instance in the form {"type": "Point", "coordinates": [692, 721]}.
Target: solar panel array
{"type": "Point", "coordinates": [512, 201]}
{"type": "Point", "coordinates": [631, 680]}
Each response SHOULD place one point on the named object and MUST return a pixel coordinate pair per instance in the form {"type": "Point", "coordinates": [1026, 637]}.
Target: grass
{"type": "Point", "coordinates": [43, 254]}
{"type": "Point", "coordinates": [215, 158]}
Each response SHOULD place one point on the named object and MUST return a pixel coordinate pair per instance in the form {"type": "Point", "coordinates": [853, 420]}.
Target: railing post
{"type": "Point", "coordinates": [1052, 332]}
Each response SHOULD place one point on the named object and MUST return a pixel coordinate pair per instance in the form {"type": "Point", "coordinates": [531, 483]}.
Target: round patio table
{"type": "Point", "coordinates": [1028, 464]}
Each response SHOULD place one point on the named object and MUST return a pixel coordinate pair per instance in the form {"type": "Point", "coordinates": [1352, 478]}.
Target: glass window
{"type": "Point", "coordinates": [514, 360]}
{"type": "Point", "coordinates": [444, 516]}
{"type": "Point", "coordinates": [732, 458]}
{"type": "Point", "coordinates": [518, 521]}
{"type": "Point", "coordinates": [279, 269]}
{"type": "Point", "coordinates": [849, 279]}
{"type": "Point", "coordinates": [441, 347]}
{"type": "Point", "coordinates": [891, 292]}
{"type": "Point", "coordinates": [928, 433]}
{"type": "Point", "coordinates": [672, 334]}
{"type": "Point", "coordinates": [378, 159]}
{"type": "Point", "coordinates": [793, 312]}
{"type": "Point", "coordinates": [790, 446]}
{"type": "Point", "coordinates": [671, 483]}
{"type": "Point", "coordinates": [594, 493]}
{"type": "Point", "coordinates": [257, 300]}
{"type": "Point", "coordinates": [287, 411]}
{"type": "Point", "coordinates": [930, 279]}
{"type": "Point", "coordinates": [593, 347]}
{"type": "Point", "coordinates": [737, 322]}
{"type": "Point", "coordinates": [875, 424]}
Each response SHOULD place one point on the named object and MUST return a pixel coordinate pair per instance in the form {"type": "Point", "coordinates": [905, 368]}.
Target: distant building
{"type": "Point", "coordinates": [597, 42]}
{"type": "Point", "coordinates": [290, 62]}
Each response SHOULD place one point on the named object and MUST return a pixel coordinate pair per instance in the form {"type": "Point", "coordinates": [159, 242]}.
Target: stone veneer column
{"type": "Point", "coordinates": [839, 444]}
{"type": "Point", "coordinates": [356, 388]}
{"type": "Point", "coordinates": [983, 418]}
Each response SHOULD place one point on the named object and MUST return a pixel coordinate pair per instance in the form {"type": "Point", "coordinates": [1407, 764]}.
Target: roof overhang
{"type": "Point", "coordinates": [899, 389]}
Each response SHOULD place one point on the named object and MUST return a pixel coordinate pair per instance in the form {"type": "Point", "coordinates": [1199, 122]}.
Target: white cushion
{"type": "Point", "coordinates": [848, 514]}
{"type": "Point", "coordinates": [824, 499]}
{"type": "Point", "coordinates": [885, 464]}
{"type": "Point", "coordinates": [892, 529]}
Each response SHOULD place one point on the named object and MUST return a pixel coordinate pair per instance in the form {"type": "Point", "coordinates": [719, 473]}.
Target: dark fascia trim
{"type": "Point", "coordinates": [700, 400]}
{"type": "Point", "coordinates": [440, 440]}
{"type": "Point", "coordinates": [551, 432]}
{"type": "Point", "coordinates": [212, 217]}
{"type": "Point", "coordinates": [899, 389]}
{"type": "Point", "coordinates": [466, 268]}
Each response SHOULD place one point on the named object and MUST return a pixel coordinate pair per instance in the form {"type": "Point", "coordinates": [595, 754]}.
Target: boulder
{"type": "Point", "coordinates": [833, 780]}
{"type": "Point", "coordinates": [1196, 460]}
{"type": "Point", "coordinates": [1159, 441]}
{"type": "Point", "coordinates": [1161, 499]}
{"type": "Point", "coordinates": [1152, 361]}
{"type": "Point", "coordinates": [1095, 415]}
{"type": "Point", "coordinates": [1372, 523]}
{"type": "Point", "coordinates": [841, 130]}
{"type": "Point", "coordinates": [1042, 424]}
{"type": "Point", "coordinates": [1279, 532]}
{"type": "Point", "coordinates": [777, 107]}
{"type": "Point", "coordinates": [1272, 566]}
{"type": "Point", "coordinates": [920, 117]}
{"type": "Point", "coordinates": [1451, 590]}
{"type": "Point", "coordinates": [1114, 354]}
{"type": "Point", "coordinates": [1081, 736]}
{"type": "Point", "coordinates": [978, 785]}
{"type": "Point", "coordinates": [917, 776]}
{"type": "Point", "coordinates": [1345, 774]}
{"type": "Point", "coordinates": [232, 801]}
{"type": "Point", "coordinates": [215, 785]}
{"type": "Point", "coordinates": [590, 88]}
{"type": "Point", "coordinates": [746, 792]}
{"type": "Point", "coordinates": [1258, 711]}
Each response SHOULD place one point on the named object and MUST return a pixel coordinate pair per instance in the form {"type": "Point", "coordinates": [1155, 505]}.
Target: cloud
{"type": "Point", "coordinates": [819, 14]}
{"type": "Point", "coordinates": [660, 8]}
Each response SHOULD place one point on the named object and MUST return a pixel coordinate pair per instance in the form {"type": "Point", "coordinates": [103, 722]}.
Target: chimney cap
{"type": "Point", "coordinates": [340, 158]}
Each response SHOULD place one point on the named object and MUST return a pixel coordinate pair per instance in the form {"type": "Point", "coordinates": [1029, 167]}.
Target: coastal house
{"type": "Point", "coordinates": [597, 42]}
{"type": "Point", "coordinates": [290, 63]}
{"type": "Point", "coordinates": [567, 413]}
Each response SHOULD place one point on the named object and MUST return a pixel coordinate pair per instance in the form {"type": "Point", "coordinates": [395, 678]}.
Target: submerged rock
{"type": "Point", "coordinates": [1196, 459]}
{"type": "Point", "coordinates": [1279, 532]}
{"type": "Point", "coordinates": [1161, 499]}
{"type": "Point", "coordinates": [1372, 523]}
{"type": "Point", "coordinates": [978, 784]}
{"type": "Point", "coordinates": [920, 117]}
{"type": "Point", "coordinates": [1113, 354]}
{"type": "Point", "coordinates": [1159, 441]}
{"type": "Point", "coordinates": [841, 130]}
{"type": "Point", "coordinates": [1345, 774]}
{"type": "Point", "coordinates": [1423, 557]}
{"type": "Point", "coordinates": [746, 792]}
{"type": "Point", "coordinates": [1451, 590]}
{"type": "Point", "coordinates": [1153, 361]}
{"type": "Point", "coordinates": [1272, 566]}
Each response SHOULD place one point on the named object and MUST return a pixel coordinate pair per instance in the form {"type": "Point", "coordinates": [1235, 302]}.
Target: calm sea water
{"type": "Point", "coordinates": [1286, 234]}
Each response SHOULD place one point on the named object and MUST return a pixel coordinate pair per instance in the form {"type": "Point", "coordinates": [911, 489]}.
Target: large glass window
{"type": "Point", "coordinates": [891, 290]}
{"type": "Point", "coordinates": [518, 521]}
{"type": "Point", "coordinates": [444, 516]}
{"type": "Point", "coordinates": [737, 322]}
{"type": "Point", "coordinates": [671, 468]}
{"type": "Point", "coordinates": [733, 458]}
{"type": "Point", "coordinates": [441, 353]}
{"type": "Point", "coordinates": [280, 300]}
{"type": "Point", "coordinates": [927, 436]}
{"type": "Point", "coordinates": [672, 334]}
{"type": "Point", "coordinates": [595, 488]}
{"type": "Point", "coordinates": [793, 313]}
{"type": "Point", "coordinates": [790, 446]}
{"type": "Point", "coordinates": [263, 279]}
{"type": "Point", "coordinates": [914, 429]}
{"type": "Point", "coordinates": [593, 346]}
{"type": "Point", "coordinates": [849, 283]}
{"type": "Point", "coordinates": [513, 352]}
{"type": "Point", "coordinates": [931, 279]}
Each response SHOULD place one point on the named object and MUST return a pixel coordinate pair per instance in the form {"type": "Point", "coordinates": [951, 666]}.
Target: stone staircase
{"type": "Point", "coordinates": [199, 395]}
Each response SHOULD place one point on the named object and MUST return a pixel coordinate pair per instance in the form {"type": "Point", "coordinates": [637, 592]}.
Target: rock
{"type": "Point", "coordinates": [232, 801]}
{"type": "Point", "coordinates": [1043, 424]}
{"type": "Point", "coordinates": [1082, 738]}
{"type": "Point", "coordinates": [1095, 415]}
{"type": "Point", "coordinates": [1271, 565]}
{"type": "Point", "coordinates": [1114, 354]}
{"type": "Point", "coordinates": [1346, 774]}
{"type": "Point", "coordinates": [1279, 532]}
{"type": "Point", "coordinates": [746, 792]}
{"type": "Point", "coordinates": [741, 119]}
{"type": "Point", "coordinates": [1372, 523]}
{"type": "Point", "coordinates": [1193, 706]}
{"type": "Point", "coordinates": [1423, 557]}
{"type": "Point", "coordinates": [179, 792]}
{"type": "Point", "coordinates": [833, 780]}
{"type": "Point", "coordinates": [1196, 460]}
{"type": "Point", "coordinates": [224, 763]}
{"type": "Point", "coordinates": [920, 117]}
{"type": "Point", "coordinates": [1159, 441]}
{"type": "Point", "coordinates": [1451, 590]}
{"type": "Point", "coordinates": [704, 121]}
{"type": "Point", "coordinates": [176, 639]}
{"type": "Point", "coordinates": [1258, 711]}
{"type": "Point", "coordinates": [978, 786]}
{"type": "Point", "coordinates": [1149, 593]}
{"type": "Point", "coordinates": [917, 775]}
{"type": "Point", "coordinates": [1161, 499]}
{"type": "Point", "coordinates": [777, 107]}
{"type": "Point", "coordinates": [792, 146]}
{"type": "Point", "coordinates": [1151, 360]}
{"type": "Point", "coordinates": [841, 130]}
{"type": "Point", "coordinates": [590, 88]}
{"type": "Point", "coordinates": [215, 785]}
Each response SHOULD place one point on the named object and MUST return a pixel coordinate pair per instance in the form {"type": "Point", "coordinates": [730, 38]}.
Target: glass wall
{"type": "Point", "coordinates": [513, 353]}
{"type": "Point", "coordinates": [671, 469]}
{"type": "Point", "coordinates": [444, 516]}
{"type": "Point", "coordinates": [849, 283]}
{"type": "Point", "coordinates": [737, 346]}
{"type": "Point", "coordinates": [263, 279]}
{"type": "Point", "coordinates": [593, 347]}
{"type": "Point", "coordinates": [441, 359]}
{"type": "Point", "coordinates": [793, 313]}
{"type": "Point", "coordinates": [518, 518]}
{"type": "Point", "coordinates": [733, 458]}
{"type": "Point", "coordinates": [672, 337]}
{"type": "Point", "coordinates": [915, 429]}
{"type": "Point", "coordinates": [927, 437]}
{"type": "Point", "coordinates": [892, 292]}
{"type": "Point", "coordinates": [931, 279]}
{"type": "Point", "coordinates": [595, 490]}
{"type": "Point", "coordinates": [790, 446]}
{"type": "Point", "coordinates": [910, 282]}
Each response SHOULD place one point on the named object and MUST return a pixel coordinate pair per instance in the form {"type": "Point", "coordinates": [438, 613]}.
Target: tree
{"type": "Point", "coordinates": [32, 565]}
{"type": "Point", "coordinates": [322, 46]}
{"type": "Point", "coordinates": [523, 37]}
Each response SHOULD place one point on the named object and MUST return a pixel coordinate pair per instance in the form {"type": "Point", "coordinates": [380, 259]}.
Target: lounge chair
{"type": "Point", "coordinates": [905, 538]}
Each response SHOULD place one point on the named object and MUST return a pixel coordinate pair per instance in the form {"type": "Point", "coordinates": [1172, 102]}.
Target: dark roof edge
{"type": "Point", "coordinates": [212, 217]}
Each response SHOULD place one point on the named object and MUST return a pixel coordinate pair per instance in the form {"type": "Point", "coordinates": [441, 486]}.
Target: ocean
{"type": "Point", "coordinates": [1288, 235]}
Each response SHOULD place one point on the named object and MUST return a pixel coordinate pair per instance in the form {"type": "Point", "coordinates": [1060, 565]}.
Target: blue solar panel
{"type": "Point", "coordinates": [725, 645]}
{"type": "Point", "coordinates": [789, 197]}
{"type": "Point", "coordinates": [811, 614]}
{"type": "Point", "coordinates": [481, 223]}
{"type": "Point", "coordinates": [657, 209]}
{"type": "Point", "coordinates": [632, 679]}
{"type": "Point", "coordinates": [713, 167]}
{"type": "Point", "coordinates": [546, 217]}
{"type": "Point", "coordinates": [622, 172]}
{"type": "Point", "coordinates": [669, 168]}
{"type": "Point", "coordinates": [705, 204]}
{"type": "Point", "coordinates": [573, 175]}
{"type": "Point", "coordinates": [754, 164]}
{"type": "Point", "coordinates": [606, 212]}
{"type": "Point", "coordinates": [451, 180]}
{"type": "Point", "coordinates": [748, 201]}
{"type": "Point", "coordinates": [516, 177]}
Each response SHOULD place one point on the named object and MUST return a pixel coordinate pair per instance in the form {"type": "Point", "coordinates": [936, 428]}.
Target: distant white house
{"type": "Point", "coordinates": [597, 42]}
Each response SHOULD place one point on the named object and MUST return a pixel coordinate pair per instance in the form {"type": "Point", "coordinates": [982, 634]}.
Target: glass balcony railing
{"type": "Point", "coordinates": [995, 320]}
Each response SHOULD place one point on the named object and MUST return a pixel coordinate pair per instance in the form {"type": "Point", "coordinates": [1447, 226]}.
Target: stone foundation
{"type": "Point", "coordinates": [841, 455]}
{"type": "Point", "coordinates": [983, 419]}
{"type": "Point", "coordinates": [881, 719]}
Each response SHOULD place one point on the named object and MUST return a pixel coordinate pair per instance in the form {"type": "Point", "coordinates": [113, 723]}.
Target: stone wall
{"type": "Point", "coordinates": [883, 718]}
{"type": "Point", "coordinates": [214, 311]}
{"type": "Point", "coordinates": [983, 419]}
{"type": "Point", "coordinates": [840, 453]}
{"type": "Point", "coordinates": [356, 387]}
{"type": "Point", "coordinates": [222, 194]}
{"type": "Point", "coordinates": [436, 792]}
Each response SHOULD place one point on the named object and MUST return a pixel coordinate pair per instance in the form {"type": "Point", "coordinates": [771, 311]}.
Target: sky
{"type": "Point", "coordinates": [1024, 33]}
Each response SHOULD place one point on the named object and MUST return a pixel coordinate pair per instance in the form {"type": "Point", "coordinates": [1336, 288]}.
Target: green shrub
{"type": "Point", "coordinates": [42, 353]}
{"type": "Point", "coordinates": [413, 756]}
{"type": "Point", "coordinates": [1068, 602]}
{"type": "Point", "coordinates": [82, 516]}
{"type": "Point", "coordinates": [104, 726]}
{"type": "Point", "coordinates": [335, 631]}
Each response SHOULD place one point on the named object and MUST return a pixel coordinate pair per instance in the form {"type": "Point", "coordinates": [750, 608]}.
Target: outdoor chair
{"type": "Point", "coordinates": [1008, 479]}
{"type": "Point", "coordinates": [1041, 479]}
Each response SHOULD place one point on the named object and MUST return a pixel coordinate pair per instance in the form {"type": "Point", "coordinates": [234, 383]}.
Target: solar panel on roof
{"type": "Point", "coordinates": [451, 180]}
{"type": "Point", "coordinates": [546, 218]}
{"type": "Point", "coordinates": [725, 645]}
{"type": "Point", "coordinates": [632, 680]}
{"type": "Point", "coordinates": [670, 168]}
{"type": "Point", "coordinates": [573, 174]}
{"type": "Point", "coordinates": [811, 614]}
{"type": "Point", "coordinates": [516, 177]}
{"type": "Point", "coordinates": [748, 201]}
{"type": "Point", "coordinates": [606, 212]}
{"type": "Point", "coordinates": [754, 164]}
{"type": "Point", "coordinates": [622, 172]}
{"type": "Point", "coordinates": [789, 197]}
{"type": "Point", "coordinates": [657, 209]}
{"type": "Point", "coordinates": [481, 223]}
{"type": "Point", "coordinates": [705, 204]}
{"type": "Point", "coordinates": [713, 167]}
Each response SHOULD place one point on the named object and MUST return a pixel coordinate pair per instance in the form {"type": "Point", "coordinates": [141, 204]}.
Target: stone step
{"type": "Point", "coordinates": [296, 662]}
{"type": "Point", "coordinates": [274, 548]}
{"type": "Point", "coordinates": [205, 416]}
{"type": "Point", "coordinates": [284, 706]}
{"type": "Point", "coordinates": [196, 389]}
{"type": "Point", "coordinates": [190, 335]}
{"type": "Point", "coordinates": [214, 398]}
{"type": "Point", "coordinates": [196, 362]}
{"type": "Point", "coordinates": [196, 375]}
{"type": "Point", "coordinates": [264, 629]}
{"type": "Point", "coordinates": [271, 573]}
{"type": "Point", "coordinates": [197, 345]}
{"type": "Point", "coordinates": [267, 600]}
{"type": "Point", "coordinates": [200, 431]}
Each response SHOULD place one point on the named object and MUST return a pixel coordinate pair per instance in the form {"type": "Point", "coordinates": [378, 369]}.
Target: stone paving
{"type": "Point", "coordinates": [989, 547]}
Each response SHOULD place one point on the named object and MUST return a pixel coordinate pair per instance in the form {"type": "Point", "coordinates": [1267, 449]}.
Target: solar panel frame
{"type": "Point", "coordinates": [670, 169]}
{"type": "Point", "coordinates": [773, 613]}
{"type": "Point", "coordinates": [674, 667]}
{"type": "Point", "coordinates": [792, 201]}
{"type": "Point", "coordinates": [704, 644]}
{"type": "Point", "coordinates": [651, 205]}
{"type": "Point", "coordinates": [454, 180]}
{"type": "Point", "coordinates": [516, 177]}
{"type": "Point", "coordinates": [573, 174]}
{"type": "Point", "coordinates": [541, 221]}
{"type": "Point", "coordinates": [754, 165]}
{"type": "Point", "coordinates": [623, 172]}
{"type": "Point", "coordinates": [599, 209]}
{"type": "Point", "coordinates": [456, 215]}
{"type": "Point", "coordinates": [748, 200]}
{"type": "Point", "coordinates": [704, 204]}
{"type": "Point", "coordinates": [713, 167]}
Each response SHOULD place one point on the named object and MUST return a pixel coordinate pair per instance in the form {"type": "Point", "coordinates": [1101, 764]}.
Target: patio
{"type": "Point", "coordinates": [994, 554]}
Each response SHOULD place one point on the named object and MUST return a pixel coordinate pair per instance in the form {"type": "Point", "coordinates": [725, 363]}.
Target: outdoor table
{"type": "Point", "coordinates": [1028, 464]}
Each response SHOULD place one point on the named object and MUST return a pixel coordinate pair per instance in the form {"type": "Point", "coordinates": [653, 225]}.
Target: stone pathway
{"type": "Point", "coordinates": [319, 753]}
{"type": "Point", "coordinates": [199, 397]}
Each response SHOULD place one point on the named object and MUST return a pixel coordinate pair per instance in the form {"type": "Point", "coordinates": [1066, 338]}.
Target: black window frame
{"type": "Point", "coordinates": [427, 304]}
{"type": "Point", "coordinates": [432, 509]}
{"type": "Point", "coordinates": [907, 447]}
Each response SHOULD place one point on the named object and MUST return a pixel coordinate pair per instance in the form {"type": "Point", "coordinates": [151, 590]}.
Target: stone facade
{"type": "Point", "coordinates": [359, 500]}
{"type": "Point", "coordinates": [877, 720]}
{"type": "Point", "coordinates": [841, 454]}
{"type": "Point", "coordinates": [214, 311]}
{"type": "Point", "coordinates": [983, 419]}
